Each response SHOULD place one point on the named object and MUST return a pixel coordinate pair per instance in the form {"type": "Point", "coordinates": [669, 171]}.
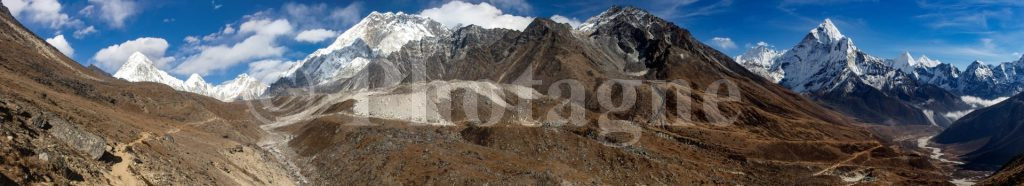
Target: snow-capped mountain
{"type": "Point", "coordinates": [904, 62]}
{"type": "Point", "coordinates": [375, 37]}
{"type": "Point", "coordinates": [924, 61]}
{"type": "Point", "coordinates": [242, 87]}
{"type": "Point", "coordinates": [198, 85]}
{"type": "Point", "coordinates": [824, 59]}
{"type": "Point", "coordinates": [760, 59]}
{"type": "Point", "coordinates": [827, 66]}
{"type": "Point", "coordinates": [139, 68]}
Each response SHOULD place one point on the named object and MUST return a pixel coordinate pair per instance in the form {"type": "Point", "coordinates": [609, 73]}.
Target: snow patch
{"type": "Point", "coordinates": [930, 115]}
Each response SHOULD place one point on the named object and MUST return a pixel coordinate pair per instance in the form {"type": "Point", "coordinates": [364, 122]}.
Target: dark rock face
{"type": "Point", "coordinates": [999, 128]}
{"type": "Point", "coordinates": [88, 143]}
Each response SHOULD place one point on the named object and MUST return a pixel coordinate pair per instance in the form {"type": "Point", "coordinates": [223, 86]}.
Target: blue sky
{"type": "Point", "coordinates": [220, 39]}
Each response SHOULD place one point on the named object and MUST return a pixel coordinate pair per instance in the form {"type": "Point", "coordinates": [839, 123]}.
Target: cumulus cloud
{"type": "Point", "coordinates": [562, 19]}
{"type": "Point", "coordinates": [62, 45]}
{"type": "Point", "coordinates": [458, 13]}
{"type": "Point", "coordinates": [114, 12]}
{"type": "Point", "coordinates": [315, 35]}
{"type": "Point", "coordinates": [259, 44]}
{"type": "Point", "coordinates": [46, 12]}
{"type": "Point", "coordinates": [312, 16]}
{"type": "Point", "coordinates": [349, 14]}
{"type": "Point", "coordinates": [268, 71]}
{"type": "Point", "coordinates": [112, 57]}
{"type": "Point", "coordinates": [723, 42]}
{"type": "Point", "coordinates": [80, 33]}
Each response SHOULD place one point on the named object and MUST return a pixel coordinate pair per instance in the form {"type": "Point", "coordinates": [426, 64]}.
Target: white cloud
{"type": "Point", "coordinates": [261, 44]}
{"type": "Point", "coordinates": [268, 71]}
{"type": "Point", "coordinates": [228, 29]}
{"type": "Point", "coordinates": [311, 16]}
{"type": "Point", "coordinates": [980, 102]}
{"type": "Point", "coordinates": [458, 13]}
{"type": "Point", "coordinates": [62, 45]}
{"type": "Point", "coordinates": [315, 35]}
{"type": "Point", "coordinates": [562, 19]}
{"type": "Point", "coordinates": [80, 33]}
{"type": "Point", "coordinates": [349, 14]}
{"type": "Point", "coordinates": [518, 5]}
{"type": "Point", "coordinates": [112, 57]}
{"type": "Point", "coordinates": [114, 12]}
{"type": "Point", "coordinates": [191, 39]}
{"type": "Point", "coordinates": [15, 6]}
{"type": "Point", "coordinates": [723, 42]}
{"type": "Point", "coordinates": [88, 10]}
{"type": "Point", "coordinates": [266, 27]}
{"type": "Point", "coordinates": [47, 12]}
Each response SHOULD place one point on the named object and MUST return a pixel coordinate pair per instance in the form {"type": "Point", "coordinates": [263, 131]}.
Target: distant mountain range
{"type": "Point", "coordinates": [986, 81]}
{"type": "Point", "coordinates": [828, 67]}
{"type": "Point", "coordinates": [139, 68]}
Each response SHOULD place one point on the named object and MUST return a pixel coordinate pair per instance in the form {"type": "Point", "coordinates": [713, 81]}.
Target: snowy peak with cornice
{"type": "Point", "coordinates": [980, 71]}
{"type": "Point", "coordinates": [826, 32]}
{"type": "Point", "coordinates": [759, 60]}
{"type": "Point", "coordinates": [820, 59]}
{"type": "Point", "coordinates": [139, 68]}
{"type": "Point", "coordinates": [376, 36]}
{"type": "Point", "coordinates": [904, 62]}
{"type": "Point", "coordinates": [387, 32]}
{"type": "Point", "coordinates": [639, 18]}
{"type": "Point", "coordinates": [927, 62]}
{"type": "Point", "coordinates": [242, 87]}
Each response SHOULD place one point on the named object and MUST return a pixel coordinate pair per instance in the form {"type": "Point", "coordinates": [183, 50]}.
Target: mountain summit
{"type": "Point", "coordinates": [827, 33]}
{"type": "Point", "coordinates": [138, 68]}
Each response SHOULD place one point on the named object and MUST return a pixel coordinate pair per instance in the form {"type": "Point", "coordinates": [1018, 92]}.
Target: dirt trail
{"type": "Point", "coordinates": [121, 172]}
{"type": "Point", "coordinates": [847, 160]}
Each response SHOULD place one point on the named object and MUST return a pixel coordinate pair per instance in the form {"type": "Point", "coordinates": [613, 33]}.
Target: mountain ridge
{"type": "Point", "coordinates": [827, 66]}
{"type": "Point", "coordinates": [139, 68]}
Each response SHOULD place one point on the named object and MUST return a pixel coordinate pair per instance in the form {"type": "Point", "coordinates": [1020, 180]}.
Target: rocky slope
{"type": "Point", "coordinates": [988, 137]}
{"type": "Point", "coordinates": [376, 118]}
{"type": "Point", "coordinates": [62, 124]}
{"type": "Point", "coordinates": [140, 68]}
{"type": "Point", "coordinates": [1010, 174]}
